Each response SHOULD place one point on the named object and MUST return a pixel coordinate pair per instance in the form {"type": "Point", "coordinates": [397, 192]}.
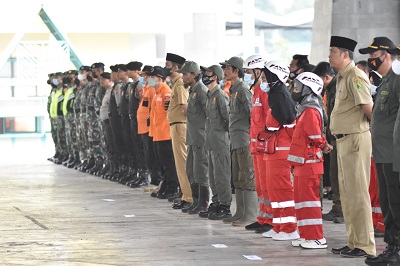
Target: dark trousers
{"type": "Point", "coordinates": [389, 198]}
{"type": "Point", "coordinates": [166, 155]}
{"type": "Point", "coordinates": [148, 151]}
{"type": "Point", "coordinates": [116, 129]}
{"type": "Point", "coordinates": [137, 143]}
{"type": "Point", "coordinates": [109, 145]}
{"type": "Point", "coordinates": [128, 149]}
{"type": "Point", "coordinates": [334, 177]}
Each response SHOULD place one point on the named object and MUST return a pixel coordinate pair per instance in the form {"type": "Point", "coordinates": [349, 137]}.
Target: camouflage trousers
{"type": "Point", "coordinates": [70, 130]}
{"type": "Point", "coordinates": [60, 129]}
{"type": "Point", "coordinates": [84, 143]}
{"type": "Point", "coordinates": [53, 123]}
{"type": "Point", "coordinates": [94, 134]}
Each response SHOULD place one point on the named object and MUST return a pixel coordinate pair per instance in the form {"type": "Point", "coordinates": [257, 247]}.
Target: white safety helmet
{"type": "Point", "coordinates": [311, 80]}
{"type": "Point", "coordinates": [254, 61]}
{"type": "Point", "coordinates": [279, 69]}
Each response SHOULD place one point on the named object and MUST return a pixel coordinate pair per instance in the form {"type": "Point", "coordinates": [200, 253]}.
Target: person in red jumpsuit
{"type": "Point", "coordinates": [306, 155]}
{"type": "Point", "coordinates": [252, 77]}
{"type": "Point", "coordinates": [280, 120]}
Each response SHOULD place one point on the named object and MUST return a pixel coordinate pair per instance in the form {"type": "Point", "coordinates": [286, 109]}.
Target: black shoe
{"type": "Point", "coordinates": [263, 229]}
{"type": "Point", "coordinates": [338, 220]}
{"type": "Point", "coordinates": [211, 209]}
{"type": "Point", "coordinates": [223, 212]}
{"type": "Point", "coordinates": [339, 250]}
{"type": "Point", "coordinates": [253, 226]}
{"type": "Point", "coordinates": [173, 198]}
{"type": "Point", "coordinates": [387, 256]}
{"type": "Point", "coordinates": [181, 204]}
{"type": "Point", "coordinates": [143, 182]}
{"type": "Point", "coordinates": [166, 195]}
{"type": "Point", "coordinates": [354, 253]}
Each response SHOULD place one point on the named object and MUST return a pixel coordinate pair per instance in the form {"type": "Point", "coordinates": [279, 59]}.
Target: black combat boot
{"type": "Point", "coordinates": [89, 164]}
{"type": "Point", "coordinates": [210, 210]}
{"type": "Point", "coordinates": [55, 156]}
{"type": "Point", "coordinates": [195, 196]}
{"type": "Point", "coordinates": [69, 160]}
{"type": "Point", "coordinates": [223, 212]}
{"type": "Point", "coordinates": [202, 202]}
{"type": "Point", "coordinates": [143, 179]}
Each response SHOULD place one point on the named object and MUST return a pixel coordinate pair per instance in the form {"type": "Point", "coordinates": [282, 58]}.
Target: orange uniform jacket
{"type": "Point", "coordinates": [305, 150]}
{"type": "Point", "coordinates": [143, 112]}
{"type": "Point", "coordinates": [258, 113]}
{"type": "Point", "coordinates": [158, 121]}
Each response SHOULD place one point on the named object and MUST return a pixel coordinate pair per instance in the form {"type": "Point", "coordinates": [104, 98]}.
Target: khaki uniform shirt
{"type": "Point", "coordinates": [196, 115]}
{"type": "Point", "coordinates": [384, 116]}
{"type": "Point", "coordinates": [239, 119]}
{"type": "Point", "coordinates": [352, 89]}
{"type": "Point", "coordinates": [217, 121]}
{"type": "Point", "coordinates": [179, 96]}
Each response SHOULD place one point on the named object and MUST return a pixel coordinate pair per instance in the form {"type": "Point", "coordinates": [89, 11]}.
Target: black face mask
{"type": "Point", "coordinates": [296, 96]}
{"type": "Point", "coordinates": [293, 74]}
{"type": "Point", "coordinates": [374, 63]}
{"type": "Point", "coordinates": [167, 71]}
{"type": "Point", "coordinates": [77, 82]}
{"type": "Point", "coordinates": [89, 78]}
{"type": "Point", "coordinates": [94, 75]}
{"type": "Point", "coordinates": [206, 79]}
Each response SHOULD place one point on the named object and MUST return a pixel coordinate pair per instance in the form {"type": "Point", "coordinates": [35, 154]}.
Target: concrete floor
{"type": "Point", "coordinates": [52, 215]}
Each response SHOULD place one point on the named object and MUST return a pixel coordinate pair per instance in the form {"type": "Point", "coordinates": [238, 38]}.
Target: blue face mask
{"type": "Point", "coordinates": [373, 90]}
{"type": "Point", "coordinates": [221, 83]}
{"type": "Point", "coordinates": [247, 79]}
{"type": "Point", "coordinates": [55, 82]}
{"type": "Point", "coordinates": [142, 81]}
{"type": "Point", "coordinates": [264, 86]}
{"type": "Point", "coordinates": [152, 82]}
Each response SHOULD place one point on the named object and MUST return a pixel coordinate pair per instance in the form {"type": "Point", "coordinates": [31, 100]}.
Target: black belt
{"type": "Point", "coordinates": [174, 123]}
{"type": "Point", "coordinates": [339, 136]}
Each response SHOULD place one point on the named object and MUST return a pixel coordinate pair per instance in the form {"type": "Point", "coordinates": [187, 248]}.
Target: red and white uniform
{"type": "Point", "coordinates": [258, 115]}
{"type": "Point", "coordinates": [307, 158]}
{"type": "Point", "coordinates": [279, 183]}
{"type": "Point", "coordinates": [377, 216]}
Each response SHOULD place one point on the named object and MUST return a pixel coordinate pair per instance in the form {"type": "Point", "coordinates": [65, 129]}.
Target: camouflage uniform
{"type": "Point", "coordinates": [98, 98]}
{"type": "Point", "coordinates": [70, 123]}
{"type": "Point", "coordinates": [92, 122]}
{"type": "Point", "coordinates": [83, 121]}
{"type": "Point", "coordinates": [60, 125]}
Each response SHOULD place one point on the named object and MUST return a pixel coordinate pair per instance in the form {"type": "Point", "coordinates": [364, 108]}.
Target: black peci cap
{"type": "Point", "coordinates": [175, 58]}
{"type": "Point", "coordinates": [343, 42]}
{"type": "Point", "coordinates": [122, 67]}
{"type": "Point", "coordinates": [114, 68]}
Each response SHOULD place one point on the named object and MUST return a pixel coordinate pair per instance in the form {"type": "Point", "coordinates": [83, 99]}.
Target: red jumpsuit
{"type": "Point", "coordinates": [279, 183]}
{"type": "Point", "coordinates": [307, 158]}
{"type": "Point", "coordinates": [377, 217]}
{"type": "Point", "coordinates": [258, 114]}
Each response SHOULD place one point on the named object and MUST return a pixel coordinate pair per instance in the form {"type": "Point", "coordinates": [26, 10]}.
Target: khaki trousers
{"type": "Point", "coordinates": [178, 136]}
{"type": "Point", "coordinates": [354, 163]}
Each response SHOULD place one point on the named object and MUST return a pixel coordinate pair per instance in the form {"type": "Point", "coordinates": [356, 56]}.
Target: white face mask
{"type": "Point", "coordinates": [396, 66]}
{"type": "Point", "coordinates": [81, 76]}
{"type": "Point", "coordinates": [247, 79]}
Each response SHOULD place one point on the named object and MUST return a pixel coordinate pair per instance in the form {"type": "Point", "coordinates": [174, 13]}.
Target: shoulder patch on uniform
{"type": "Point", "coordinates": [358, 82]}
{"type": "Point", "coordinates": [179, 88]}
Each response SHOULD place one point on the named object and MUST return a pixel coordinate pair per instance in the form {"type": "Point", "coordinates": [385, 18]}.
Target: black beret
{"type": "Point", "coordinates": [122, 67]}
{"type": "Point", "coordinates": [114, 68]}
{"type": "Point", "coordinates": [134, 65]}
{"type": "Point", "coordinates": [378, 43]}
{"type": "Point", "coordinates": [146, 69]}
{"type": "Point", "coordinates": [343, 42]}
{"type": "Point", "coordinates": [300, 57]}
{"type": "Point", "coordinates": [105, 75]}
{"type": "Point", "coordinates": [175, 58]}
{"type": "Point", "coordinates": [157, 71]}
{"type": "Point", "coordinates": [97, 65]}
{"type": "Point", "coordinates": [86, 68]}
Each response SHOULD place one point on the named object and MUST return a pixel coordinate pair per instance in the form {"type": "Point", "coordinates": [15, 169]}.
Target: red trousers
{"type": "Point", "coordinates": [308, 206]}
{"type": "Point", "coordinates": [265, 214]}
{"type": "Point", "coordinates": [377, 217]}
{"type": "Point", "coordinates": [280, 189]}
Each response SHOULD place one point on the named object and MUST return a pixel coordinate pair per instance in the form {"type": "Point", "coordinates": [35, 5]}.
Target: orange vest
{"type": "Point", "coordinates": [305, 150]}
{"type": "Point", "coordinates": [226, 88]}
{"type": "Point", "coordinates": [143, 112]}
{"type": "Point", "coordinates": [158, 120]}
